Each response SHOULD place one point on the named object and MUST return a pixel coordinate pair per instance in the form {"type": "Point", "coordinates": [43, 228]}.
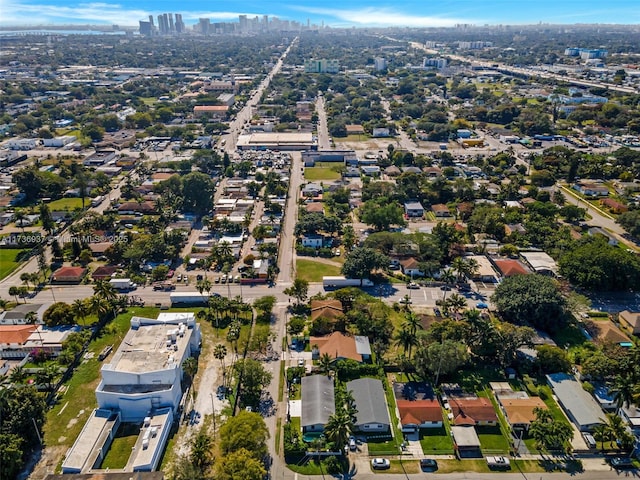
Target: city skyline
{"type": "Point", "coordinates": [413, 13]}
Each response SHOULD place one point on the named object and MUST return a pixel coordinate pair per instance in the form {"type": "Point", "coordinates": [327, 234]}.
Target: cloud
{"type": "Point", "coordinates": [383, 17]}
{"type": "Point", "coordinates": [22, 13]}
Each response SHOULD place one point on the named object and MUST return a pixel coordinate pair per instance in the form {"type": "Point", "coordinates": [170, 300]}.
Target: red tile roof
{"type": "Point", "coordinates": [508, 268]}
{"type": "Point", "coordinates": [17, 334]}
{"type": "Point", "coordinates": [419, 411]}
{"type": "Point", "coordinates": [69, 272]}
{"type": "Point", "coordinates": [337, 345]}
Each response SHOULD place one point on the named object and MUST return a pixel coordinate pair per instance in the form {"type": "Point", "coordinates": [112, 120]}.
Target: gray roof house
{"type": "Point", "coordinates": [318, 402]}
{"type": "Point", "coordinates": [580, 407]}
{"type": "Point", "coordinates": [373, 415]}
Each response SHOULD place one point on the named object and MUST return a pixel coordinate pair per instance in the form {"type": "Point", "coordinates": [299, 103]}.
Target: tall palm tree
{"type": "Point", "coordinates": [406, 339]}
{"type": "Point", "coordinates": [457, 302]}
{"type": "Point", "coordinates": [339, 428]}
{"type": "Point", "coordinates": [190, 367]}
{"type": "Point", "coordinates": [105, 291]}
{"type": "Point", "coordinates": [448, 278]}
{"type": "Point", "coordinates": [14, 291]}
{"type": "Point", "coordinates": [601, 434]}
{"type": "Point", "coordinates": [80, 309]}
{"type": "Point", "coordinates": [219, 352]}
{"type": "Point", "coordinates": [18, 374]}
{"type": "Point", "coordinates": [623, 389]}
{"type": "Point", "coordinates": [412, 322]}
{"type": "Point", "coordinates": [325, 362]}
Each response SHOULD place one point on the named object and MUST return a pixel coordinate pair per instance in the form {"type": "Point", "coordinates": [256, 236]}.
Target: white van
{"type": "Point", "coordinates": [589, 440]}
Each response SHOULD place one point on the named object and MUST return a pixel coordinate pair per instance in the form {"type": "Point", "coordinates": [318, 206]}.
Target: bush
{"type": "Point", "coordinates": [293, 444]}
{"type": "Point", "coordinates": [333, 465]}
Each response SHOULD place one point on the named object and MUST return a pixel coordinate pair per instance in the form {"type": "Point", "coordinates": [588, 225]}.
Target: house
{"type": "Point", "coordinates": [100, 157]}
{"type": "Point", "coordinates": [98, 249]}
{"type": "Point", "coordinates": [417, 414]}
{"type": "Point", "coordinates": [466, 441]}
{"type": "Point", "coordinates": [485, 272]}
{"type": "Point", "coordinates": [314, 207]}
{"type": "Point", "coordinates": [380, 132]}
{"type": "Point", "coordinates": [413, 209]}
{"type": "Point", "coordinates": [514, 228]}
{"type": "Point", "coordinates": [318, 402]}
{"type": "Point", "coordinates": [312, 190]}
{"type": "Point", "coordinates": [18, 341]}
{"type": "Point", "coordinates": [440, 210]}
{"type": "Point", "coordinates": [608, 333]}
{"type": "Point", "coordinates": [541, 263]}
{"type": "Point", "coordinates": [13, 338]}
{"type": "Point", "coordinates": [631, 415]}
{"type": "Point", "coordinates": [519, 412]}
{"type": "Point", "coordinates": [614, 206]}
{"type": "Point", "coordinates": [611, 240]}
{"type": "Point", "coordinates": [340, 346]}
{"type": "Point", "coordinates": [368, 395]}
{"type": "Point", "coordinates": [631, 320]}
{"type": "Point", "coordinates": [217, 111]}
{"type": "Point", "coordinates": [591, 189]}
{"type": "Point", "coordinates": [432, 172]}
{"type": "Point", "coordinates": [579, 406]}
{"type": "Point", "coordinates": [18, 314]}
{"type": "Point", "coordinates": [145, 372]}
{"type": "Point", "coordinates": [508, 268]}
{"type": "Point", "coordinates": [392, 171]}
{"type": "Point", "coordinates": [474, 411]}
{"type": "Point", "coordinates": [104, 273]}
{"type": "Point", "coordinates": [370, 170]}
{"type": "Point", "coordinates": [410, 268]}
{"type": "Point", "coordinates": [329, 309]}
{"type": "Point", "coordinates": [313, 241]}
{"type": "Point", "coordinates": [131, 208]}
{"type": "Point", "coordinates": [69, 275]}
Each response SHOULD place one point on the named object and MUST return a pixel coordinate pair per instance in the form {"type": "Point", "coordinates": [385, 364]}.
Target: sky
{"type": "Point", "coordinates": [335, 13]}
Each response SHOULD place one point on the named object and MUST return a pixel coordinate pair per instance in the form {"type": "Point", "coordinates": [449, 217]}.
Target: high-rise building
{"type": "Point", "coordinates": [380, 64]}
{"type": "Point", "coordinates": [244, 23]}
{"type": "Point", "coordinates": [172, 28]}
{"type": "Point", "coordinates": [146, 28]}
{"type": "Point", "coordinates": [203, 26]}
{"type": "Point", "coordinates": [180, 27]}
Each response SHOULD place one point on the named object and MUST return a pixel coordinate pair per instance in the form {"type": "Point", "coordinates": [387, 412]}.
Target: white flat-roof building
{"type": "Point", "coordinates": [485, 272]}
{"type": "Point", "coordinates": [146, 371]}
{"type": "Point", "coordinates": [541, 263]}
{"type": "Point", "coordinates": [277, 141]}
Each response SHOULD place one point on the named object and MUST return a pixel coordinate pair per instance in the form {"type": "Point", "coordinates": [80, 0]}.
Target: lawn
{"type": "Point", "coordinates": [492, 440]}
{"type": "Point", "coordinates": [436, 441]}
{"type": "Point", "coordinates": [352, 138]}
{"type": "Point", "coordinates": [314, 271]}
{"type": "Point", "coordinates": [401, 466]}
{"type": "Point", "coordinates": [149, 101]}
{"type": "Point", "coordinates": [320, 173]}
{"type": "Point", "coordinates": [382, 447]}
{"type": "Point", "coordinates": [8, 261]}
{"type": "Point", "coordinates": [480, 465]}
{"type": "Point", "coordinates": [68, 203]}
{"type": "Point", "coordinates": [120, 449]}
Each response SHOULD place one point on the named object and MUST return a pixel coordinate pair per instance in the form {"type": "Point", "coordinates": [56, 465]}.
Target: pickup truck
{"type": "Point", "coordinates": [498, 463]}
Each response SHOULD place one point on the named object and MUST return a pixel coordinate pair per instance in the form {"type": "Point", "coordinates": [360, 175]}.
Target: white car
{"type": "Point", "coordinates": [380, 463]}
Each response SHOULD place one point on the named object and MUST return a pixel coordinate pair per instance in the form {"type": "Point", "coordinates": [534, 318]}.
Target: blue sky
{"type": "Point", "coordinates": [413, 13]}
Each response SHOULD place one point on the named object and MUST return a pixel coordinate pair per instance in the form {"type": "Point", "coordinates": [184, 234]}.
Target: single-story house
{"type": "Point", "coordinates": [579, 406]}
{"type": "Point", "coordinates": [421, 413]}
{"type": "Point", "coordinates": [474, 411]}
{"type": "Point", "coordinates": [440, 210]}
{"type": "Point", "coordinates": [614, 206]}
{"type": "Point", "coordinates": [509, 268]}
{"type": "Point", "coordinates": [130, 208]}
{"type": "Point", "coordinates": [18, 314]}
{"type": "Point", "coordinates": [630, 319]}
{"type": "Point", "coordinates": [318, 402]}
{"type": "Point", "coordinates": [373, 415]}
{"type": "Point", "coordinates": [413, 209]}
{"type": "Point", "coordinates": [631, 415]}
{"type": "Point", "coordinates": [71, 275]}
{"type": "Point", "coordinates": [340, 346]}
{"type": "Point", "coordinates": [104, 273]}
{"type": "Point", "coordinates": [370, 170]}
{"type": "Point", "coordinates": [12, 339]}
{"type": "Point", "coordinates": [466, 441]}
{"type": "Point", "coordinates": [485, 272]}
{"type": "Point", "coordinates": [330, 309]}
{"type": "Point", "coordinates": [591, 189]}
{"type": "Point", "coordinates": [98, 249]}
{"type": "Point", "coordinates": [312, 190]}
{"type": "Point", "coordinates": [313, 241]}
{"type": "Point", "coordinates": [541, 262]}
{"type": "Point", "coordinates": [608, 333]}
{"type": "Point", "coordinates": [519, 411]}
{"type": "Point", "coordinates": [432, 172]}
{"type": "Point", "coordinates": [392, 171]}
{"type": "Point", "coordinates": [409, 267]}
{"type": "Point", "coordinates": [514, 228]}
{"type": "Point", "coordinates": [314, 207]}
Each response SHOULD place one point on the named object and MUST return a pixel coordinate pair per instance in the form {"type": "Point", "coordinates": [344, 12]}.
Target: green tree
{"type": "Point", "coordinates": [190, 367]}
{"type": "Point", "coordinates": [361, 261]}
{"type": "Point", "coordinates": [252, 378]}
{"type": "Point", "coordinates": [338, 428]}
{"type": "Point", "coordinates": [239, 465]}
{"type": "Point", "coordinates": [533, 300]}
{"type": "Point", "coordinates": [47, 220]}
{"type": "Point", "coordinates": [59, 313]}
{"type": "Point", "coordinates": [198, 189]}
{"type": "Point", "coordinates": [381, 217]}
{"type": "Point", "coordinates": [201, 454]}
{"type": "Point", "coordinates": [549, 433]}
{"type": "Point", "coordinates": [552, 359]}
{"type": "Point", "coordinates": [325, 363]}
{"type": "Point", "coordinates": [247, 431]}
{"type": "Point", "coordinates": [298, 290]}
{"type": "Point", "coordinates": [440, 359]}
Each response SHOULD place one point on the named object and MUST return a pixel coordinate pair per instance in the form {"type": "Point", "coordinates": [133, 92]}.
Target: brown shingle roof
{"type": "Point", "coordinates": [520, 410]}
{"type": "Point", "coordinates": [331, 309]}
{"type": "Point", "coordinates": [337, 345]}
{"type": "Point", "coordinates": [469, 411]}
{"type": "Point", "coordinates": [314, 207]}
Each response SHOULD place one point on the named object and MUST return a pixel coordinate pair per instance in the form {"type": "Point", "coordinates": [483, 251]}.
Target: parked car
{"type": "Point", "coordinates": [481, 305]}
{"type": "Point", "coordinates": [380, 463]}
{"type": "Point", "coordinates": [621, 462]}
{"type": "Point", "coordinates": [413, 285]}
{"type": "Point", "coordinates": [428, 464]}
{"type": "Point", "coordinates": [353, 446]}
{"type": "Point", "coordinates": [179, 277]}
{"type": "Point", "coordinates": [217, 280]}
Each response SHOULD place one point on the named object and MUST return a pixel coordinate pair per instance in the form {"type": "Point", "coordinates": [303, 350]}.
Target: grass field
{"type": "Point", "coordinates": [492, 440]}
{"type": "Point", "coordinates": [314, 271]}
{"type": "Point", "coordinates": [401, 467]}
{"type": "Point", "coordinates": [120, 449]}
{"type": "Point", "coordinates": [480, 465]}
{"type": "Point", "coordinates": [320, 173]}
{"type": "Point", "coordinates": [68, 203]}
{"type": "Point", "coordinates": [149, 101]}
{"type": "Point", "coordinates": [436, 441]}
{"type": "Point", "coordinates": [352, 138]}
{"type": "Point", "coordinates": [8, 261]}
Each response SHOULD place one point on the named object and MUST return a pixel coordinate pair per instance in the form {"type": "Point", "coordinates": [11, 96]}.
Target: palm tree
{"type": "Point", "coordinates": [80, 309]}
{"type": "Point", "coordinates": [339, 428]}
{"type": "Point", "coordinates": [617, 430]}
{"type": "Point", "coordinates": [14, 291]}
{"type": "Point", "coordinates": [31, 318]}
{"type": "Point", "coordinates": [325, 362]}
{"type": "Point", "coordinates": [26, 278]}
{"type": "Point", "coordinates": [448, 278]}
{"type": "Point", "coordinates": [3, 304]}
{"type": "Point", "coordinates": [459, 266]}
{"type": "Point", "coordinates": [18, 375]}
{"type": "Point", "coordinates": [406, 339]}
{"type": "Point", "coordinates": [98, 306]}
{"type": "Point", "coordinates": [105, 291]}
{"type": "Point", "coordinates": [219, 352]}
{"type": "Point", "coordinates": [47, 375]}
{"type": "Point", "coordinates": [601, 434]}
{"type": "Point", "coordinates": [19, 217]}
{"type": "Point", "coordinates": [190, 367]}
{"type": "Point", "coordinates": [622, 389]}
{"type": "Point", "coordinates": [457, 302]}
{"type": "Point", "coordinates": [412, 322]}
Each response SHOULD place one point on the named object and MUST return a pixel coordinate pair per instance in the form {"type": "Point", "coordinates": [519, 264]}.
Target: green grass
{"type": "Point", "coordinates": [150, 101]}
{"type": "Point", "coordinates": [120, 450]}
{"type": "Point", "coordinates": [382, 447]}
{"type": "Point", "coordinates": [311, 467]}
{"type": "Point", "coordinates": [278, 433]}
{"type": "Point", "coordinates": [352, 138]}
{"type": "Point", "coordinates": [8, 261]}
{"type": "Point", "coordinates": [281, 381]}
{"type": "Point", "coordinates": [320, 173]}
{"type": "Point", "coordinates": [547, 396]}
{"type": "Point", "coordinates": [70, 203]}
{"type": "Point", "coordinates": [480, 465]}
{"type": "Point", "coordinates": [492, 440]}
{"type": "Point", "coordinates": [436, 441]}
{"type": "Point", "coordinates": [401, 467]}
{"type": "Point", "coordinates": [314, 271]}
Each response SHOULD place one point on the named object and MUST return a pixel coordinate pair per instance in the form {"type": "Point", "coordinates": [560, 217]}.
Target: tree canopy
{"type": "Point", "coordinates": [361, 261]}
{"type": "Point", "coordinates": [531, 300]}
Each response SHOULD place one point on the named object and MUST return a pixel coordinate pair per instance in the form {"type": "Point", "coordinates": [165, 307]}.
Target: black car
{"type": "Point", "coordinates": [621, 462]}
{"type": "Point", "coordinates": [428, 464]}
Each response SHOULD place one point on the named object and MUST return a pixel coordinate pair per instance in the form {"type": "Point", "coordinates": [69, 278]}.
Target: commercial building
{"type": "Point", "coordinates": [277, 141]}
{"type": "Point", "coordinates": [145, 373]}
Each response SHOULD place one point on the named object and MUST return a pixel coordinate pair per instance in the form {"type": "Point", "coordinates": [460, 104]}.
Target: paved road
{"type": "Point", "coordinates": [322, 129]}
{"type": "Point", "coordinates": [286, 255]}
